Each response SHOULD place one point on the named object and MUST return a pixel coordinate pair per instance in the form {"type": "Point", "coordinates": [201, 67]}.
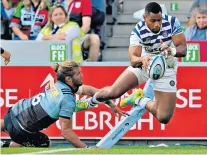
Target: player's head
{"type": "Point", "coordinates": [153, 16]}
{"type": "Point", "coordinates": [69, 72]}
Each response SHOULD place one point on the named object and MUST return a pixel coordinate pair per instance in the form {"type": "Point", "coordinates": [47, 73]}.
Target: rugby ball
{"type": "Point", "coordinates": [156, 68]}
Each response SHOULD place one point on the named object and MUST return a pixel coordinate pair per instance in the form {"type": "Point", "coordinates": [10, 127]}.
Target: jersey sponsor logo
{"type": "Point", "coordinates": [152, 50]}
{"type": "Point", "coordinates": [29, 17]}
{"type": "Point", "coordinates": [53, 88]}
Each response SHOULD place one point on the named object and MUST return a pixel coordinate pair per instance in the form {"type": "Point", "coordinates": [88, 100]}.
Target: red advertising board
{"type": "Point", "coordinates": [189, 119]}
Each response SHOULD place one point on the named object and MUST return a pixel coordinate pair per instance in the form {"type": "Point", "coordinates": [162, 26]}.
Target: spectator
{"type": "Point", "coordinates": [196, 3]}
{"type": "Point", "coordinates": [6, 55]}
{"type": "Point", "coordinates": [9, 7]}
{"type": "Point", "coordinates": [59, 28]}
{"type": "Point", "coordinates": [29, 17]}
{"type": "Point", "coordinates": [198, 31]}
{"type": "Point", "coordinates": [98, 15]}
{"type": "Point", "coordinates": [80, 11]}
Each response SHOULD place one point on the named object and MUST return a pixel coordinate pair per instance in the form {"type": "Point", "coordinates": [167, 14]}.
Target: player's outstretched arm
{"type": "Point", "coordinates": [68, 134]}
{"type": "Point", "coordinates": [87, 90]}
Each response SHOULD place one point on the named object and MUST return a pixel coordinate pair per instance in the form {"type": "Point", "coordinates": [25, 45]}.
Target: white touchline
{"type": "Point", "coordinates": [48, 151]}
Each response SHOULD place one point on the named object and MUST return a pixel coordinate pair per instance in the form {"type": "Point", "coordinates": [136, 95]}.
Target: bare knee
{"type": "Point", "coordinates": [94, 39]}
{"type": "Point", "coordinates": [163, 118]}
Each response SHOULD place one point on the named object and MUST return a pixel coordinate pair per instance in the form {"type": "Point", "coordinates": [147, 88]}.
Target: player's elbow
{"type": "Point", "coordinates": [135, 64]}
{"type": "Point", "coordinates": [183, 50]}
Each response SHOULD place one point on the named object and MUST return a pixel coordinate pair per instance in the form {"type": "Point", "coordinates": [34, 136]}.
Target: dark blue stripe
{"type": "Point", "coordinates": [167, 39]}
{"type": "Point", "coordinates": [135, 30]}
{"type": "Point", "coordinates": [165, 24]}
{"type": "Point", "coordinates": [172, 23]}
{"type": "Point", "coordinates": [144, 31]}
{"type": "Point", "coordinates": [139, 27]}
{"type": "Point", "coordinates": [155, 36]}
{"type": "Point", "coordinates": [166, 17]}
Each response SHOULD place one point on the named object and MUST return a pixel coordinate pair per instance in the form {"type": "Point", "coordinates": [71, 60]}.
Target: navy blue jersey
{"type": "Point", "coordinates": [43, 109]}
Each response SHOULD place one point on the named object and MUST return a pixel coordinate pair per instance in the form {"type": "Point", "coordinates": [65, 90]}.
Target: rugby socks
{"type": "Point", "coordinates": [93, 102]}
{"type": "Point", "coordinates": [142, 102]}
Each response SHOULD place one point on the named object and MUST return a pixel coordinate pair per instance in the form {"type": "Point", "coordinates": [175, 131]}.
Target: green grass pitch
{"type": "Point", "coordinates": [115, 150]}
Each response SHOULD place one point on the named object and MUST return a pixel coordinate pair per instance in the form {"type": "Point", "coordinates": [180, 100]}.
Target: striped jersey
{"type": "Point", "coordinates": [43, 109]}
{"type": "Point", "coordinates": [150, 42]}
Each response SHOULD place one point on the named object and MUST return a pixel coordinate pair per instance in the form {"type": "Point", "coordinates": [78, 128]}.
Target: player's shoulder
{"type": "Point", "coordinates": [64, 89]}
{"type": "Point", "coordinates": [168, 18]}
{"type": "Point", "coordinates": [140, 25]}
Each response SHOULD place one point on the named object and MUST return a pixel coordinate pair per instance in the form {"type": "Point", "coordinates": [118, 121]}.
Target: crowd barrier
{"type": "Point", "coordinates": [48, 52]}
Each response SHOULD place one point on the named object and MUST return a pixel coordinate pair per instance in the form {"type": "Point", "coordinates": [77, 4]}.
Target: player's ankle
{"type": "Point", "coordinates": [142, 102]}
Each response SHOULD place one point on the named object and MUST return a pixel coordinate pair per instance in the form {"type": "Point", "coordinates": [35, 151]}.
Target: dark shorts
{"type": "Point", "coordinates": [21, 136]}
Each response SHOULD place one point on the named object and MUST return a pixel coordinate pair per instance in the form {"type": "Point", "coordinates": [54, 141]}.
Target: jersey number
{"type": "Point", "coordinates": [36, 100]}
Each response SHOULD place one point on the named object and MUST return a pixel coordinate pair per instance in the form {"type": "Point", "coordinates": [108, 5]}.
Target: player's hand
{"type": "Point", "coordinates": [6, 55]}
{"type": "Point", "coordinates": [145, 61]}
{"type": "Point", "coordinates": [116, 111]}
{"type": "Point", "coordinates": [23, 37]}
{"type": "Point", "coordinates": [166, 50]}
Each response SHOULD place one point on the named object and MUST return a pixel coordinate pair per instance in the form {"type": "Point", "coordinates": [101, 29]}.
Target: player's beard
{"type": "Point", "coordinates": [77, 83]}
{"type": "Point", "coordinates": [155, 31]}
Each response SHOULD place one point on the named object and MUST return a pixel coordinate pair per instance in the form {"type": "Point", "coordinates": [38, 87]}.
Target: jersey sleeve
{"type": "Point", "coordinates": [67, 106]}
{"type": "Point", "coordinates": [135, 39]}
{"type": "Point", "coordinates": [15, 21]}
{"type": "Point", "coordinates": [86, 8]}
{"type": "Point", "coordinates": [176, 27]}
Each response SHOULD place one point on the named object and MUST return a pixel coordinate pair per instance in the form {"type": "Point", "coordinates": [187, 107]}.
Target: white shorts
{"type": "Point", "coordinates": [166, 84]}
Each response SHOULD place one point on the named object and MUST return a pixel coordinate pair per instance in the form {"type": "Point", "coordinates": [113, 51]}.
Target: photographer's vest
{"type": "Point", "coordinates": [76, 43]}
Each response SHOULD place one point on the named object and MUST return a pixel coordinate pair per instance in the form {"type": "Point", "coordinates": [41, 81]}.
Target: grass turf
{"type": "Point", "coordinates": [114, 150]}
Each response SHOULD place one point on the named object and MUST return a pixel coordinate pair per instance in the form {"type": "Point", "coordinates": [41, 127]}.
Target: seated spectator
{"type": "Point", "coordinates": [98, 15]}
{"type": "Point", "coordinates": [80, 11]}
{"type": "Point", "coordinates": [196, 3]}
{"type": "Point", "coordinates": [8, 7]}
{"type": "Point", "coordinates": [29, 17]}
{"type": "Point", "coordinates": [198, 31]}
{"type": "Point", "coordinates": [60, 28]}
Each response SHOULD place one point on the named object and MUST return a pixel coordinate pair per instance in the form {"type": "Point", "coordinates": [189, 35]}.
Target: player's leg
{"type": "Point", "coordinates": [2, 125]}
{"type": "Point", "coordinates": [126, 123]}
{"type": "Point", "coordinates": [163, 107]}
{"type": "Point", "coordinates": [165, 97]}
{"type": "Point", "coordinates": [37, 140]}
{"type": "Point", "coordinates": [129, 79]}
{"type": "Point", "coordinates": [7, 126]}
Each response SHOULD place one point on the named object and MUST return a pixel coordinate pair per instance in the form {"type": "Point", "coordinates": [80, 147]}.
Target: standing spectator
{"type": "Point", "coordinates": [198, 31]}
{"type": "Point", "coordinates": [29, 17]}
{"type": "Point", "coordinates": [59, 28]}
{"type": "Point", "coordinates": [80, 11]}
{"type": "Point", "coordinates": [6, 55]}
{"type": "Point", "coordinates": [196, 3]}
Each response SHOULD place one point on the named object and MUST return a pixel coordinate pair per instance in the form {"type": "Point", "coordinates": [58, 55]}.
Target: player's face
{"type": "Point", "coordinates": [201, 20]}
{"type": "Point", "coordinates": [58, 16]}
{"type": "Point", "coordinates": [154, 21]}
{"type": "Point", "coordinates": [77, 77]}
